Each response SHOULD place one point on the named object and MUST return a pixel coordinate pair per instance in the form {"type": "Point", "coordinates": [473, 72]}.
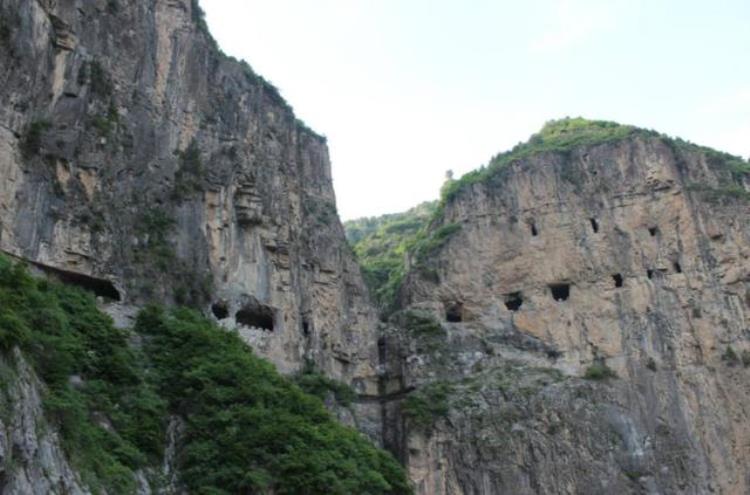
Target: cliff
{"type": "Point", "coordinates": [140, 162]}
{"type": "Point", "coordinates": [574, 320]}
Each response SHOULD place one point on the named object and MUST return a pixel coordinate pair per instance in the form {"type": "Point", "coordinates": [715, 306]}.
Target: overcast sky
{"type": "Point", "coordinates": [407, 89]}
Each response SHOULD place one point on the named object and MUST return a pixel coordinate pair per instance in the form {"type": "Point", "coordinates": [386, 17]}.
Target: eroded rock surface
{"type": "Point", "coordinates": [136, 154]}
{"type": "Point", "coordinates": [630, 257]}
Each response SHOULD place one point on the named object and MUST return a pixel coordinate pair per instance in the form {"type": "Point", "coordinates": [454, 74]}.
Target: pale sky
{"type": "Point", "coordinates": [407, 89]}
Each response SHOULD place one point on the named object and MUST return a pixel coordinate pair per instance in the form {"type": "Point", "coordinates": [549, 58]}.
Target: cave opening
{"type": "Point", "coordinates": [560, 292]}
{"type": "Point", "coordinates": [257, 316]}
{"type": "Point", "coordinates": [653, 231]}
{"type": "Point", "coordinates": [99, 286]}
{"type": "Point", "coordinates": [220, 310]}
{"type": "Point", "coordinates": [454, 313]}
{"type": "Point", "coordinates": [618, 280]}
{"type": "Point", "coordinates": [677, 267]}
{"type": "Point", "coordinates": [650, 274]}
{"type": "Point", "coordinates": [305, 327]}
{"type": "Point", "coordinates": [514, 301]}
{"type": "Point", "coordinates": [594, 225]}
{"type": "Point", "coordinates": [532, 227]}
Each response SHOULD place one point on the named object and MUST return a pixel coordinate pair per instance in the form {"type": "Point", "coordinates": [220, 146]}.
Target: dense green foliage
{"type": "Point", "coordinates": [381, 245]}
{"type": "Point", "coordinates": [599, 371]}
{"type": "Point", "coordinates": [315, 383]}
{"type": "Point", "coordinates": [247, 427]}
{"type": "Point", "coordinates": [61, 332]}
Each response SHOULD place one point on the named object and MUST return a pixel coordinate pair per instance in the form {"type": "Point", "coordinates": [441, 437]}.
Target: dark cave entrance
{"type": "Point", "coordinates": [560, 292]}
{"type": "Point", "coordinates": [305, 326]}
{"type": "Point", "coordinates": [514, 301]}
{"type": "Point", "coordinates": [653, 231]}
{"type": "Point", "coordinates": [677, 267]}
{"type": "Point", "coordinates": [256, 315]}
{"type": "Point", "coordinates": [533, 229]}
{"type": "Point", "coordinates": [220, 310]}
{"type": "Point", "coordinates": [650, 274]}
{"type": "Point", "coordinates": [454, 312]}
{"type": "Point", "coordinates": [594, 225]}
{"type": "Point", "coordinates": [618, 280]}
{"type": "Point", "coordinates": [99, 286]}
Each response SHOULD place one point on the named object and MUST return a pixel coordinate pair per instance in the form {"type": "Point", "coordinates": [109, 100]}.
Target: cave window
{"type": "Point", "coordinates": [560, 292]}
{"type": "Point", "coordinates": [618, 280]}
{"type": "Point", "coordinates": [594, 225]}
{"type": "Point", "coordinates": [454, 313]}
{"type": "Point", "coordinates": [677, 267]}
{"type": "Point", "coordinates": [534, 231]}
{"type": "Point", "coordinates": [514, 301]}
{"type": "Point", "coordinates": [653, 231]}
{"type": "Point", "coordinates": [220, 310]}
{"type": "Point", "coordinates": [257, 316]}
{"type": "Point", "coordinates": [650, 274]}
{"type": "Point", "coordinates": [305, 327]}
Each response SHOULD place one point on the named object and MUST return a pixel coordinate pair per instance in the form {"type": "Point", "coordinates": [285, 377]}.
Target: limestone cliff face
{"type": "Point", "coordinates": [141, 162]}
{"type": "Point", "coordinates": [629, 256]}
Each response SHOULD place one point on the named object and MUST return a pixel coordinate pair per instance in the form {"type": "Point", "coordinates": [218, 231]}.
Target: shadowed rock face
{"type": "Point", "coordinates": [518, 417]}
{"type": "Point", "coordinates": [133, 152]}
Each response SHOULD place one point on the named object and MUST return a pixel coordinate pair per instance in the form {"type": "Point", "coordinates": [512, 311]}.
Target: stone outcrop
{"type": "Point", "coordinates": [137, 158]}
{"type": "Point", "coordinates": [31, 459]}
{"type": "Point", "coordinates": [629, 258]}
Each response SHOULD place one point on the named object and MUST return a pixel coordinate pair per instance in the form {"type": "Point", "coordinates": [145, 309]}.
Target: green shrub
{"type": "Point", "coordinates": [32, 140]}
{"type": "Point", "coordinates": [381, 244]}
{"type": "Point", "coordinates": [247, 428]}
{"type": "Point", "coordinates": [101, 85]}
{"type": "Point", "coordinates": [319, 385]}
{"type": "Point", "coordinates": [189, 177]}
{"type": "Point", "coordinates": [599, 371]}
{"type": "Point", "coordinates": [427, 404]}
{"type": "Point", "coordinates": [730, 356]}
{"type": "Point", "coordinates": [62, 333]}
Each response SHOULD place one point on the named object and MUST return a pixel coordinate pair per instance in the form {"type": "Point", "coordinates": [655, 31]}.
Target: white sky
{"type": "Point", "coordinates": [407, 89]}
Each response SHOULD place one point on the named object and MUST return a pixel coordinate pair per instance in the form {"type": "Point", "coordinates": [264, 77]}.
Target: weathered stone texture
{"type": "Point", "coordinates": [676, 418]}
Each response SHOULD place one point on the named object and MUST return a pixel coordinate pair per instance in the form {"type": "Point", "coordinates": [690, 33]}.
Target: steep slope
{"type": "Point", "coordinates": [381, 244]}
{"type": "Point", "coordinates": [140, 162]}
{"type": "Point", "coordinates": [583, 325]}
{"type": "Point", "coordinates": [175, 404]}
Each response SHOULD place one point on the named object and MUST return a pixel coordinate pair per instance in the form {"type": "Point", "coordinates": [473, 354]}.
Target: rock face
{"type": "Point", "coordinates": [140, 162]}
{"type": "Point", "coordinates": [629, 257]}
{"type": "Point", "coordinates": [31, 460]}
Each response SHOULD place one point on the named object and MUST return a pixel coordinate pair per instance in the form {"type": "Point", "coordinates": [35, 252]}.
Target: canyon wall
{"type": "Point", "coordinates": [581, 328]}
{"type": "Point", "coordinates": [141, 162]}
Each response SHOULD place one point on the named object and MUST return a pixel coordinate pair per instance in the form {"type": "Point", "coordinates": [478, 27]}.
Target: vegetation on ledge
{"type": "Point", "coordinates": [247, 428]}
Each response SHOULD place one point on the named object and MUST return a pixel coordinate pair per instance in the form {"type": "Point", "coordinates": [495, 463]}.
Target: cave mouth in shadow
{"type": "Point", "coordinates": [256, 315]}
{"type": "Point", "coordinates": [677, 267]}
{"type": "Point", "coordinates": [594, 225]}
{"type": "Point", "coordinates": [560, 291]}
{"type": "Point", "coordinates": [653, 231]}
{"type": "Point", "coordinates": [617, 278]}
{"type": "Point", "coordinates": [514, 301]}
{"type": "Point", "coordinates": [533, 228]}
{"type": "Point", "coordinates": [454, 312]}
{"type": "Point", "coordinates": [220, 310]}
{"type": "Point", "coordinates": [99, 286]}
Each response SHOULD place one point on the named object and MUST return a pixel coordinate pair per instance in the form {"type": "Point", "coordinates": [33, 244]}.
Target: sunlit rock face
{"type": "Point", "coordinates": [629, 258]}
{"type": "Point", "coordinates": [137, 158]}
